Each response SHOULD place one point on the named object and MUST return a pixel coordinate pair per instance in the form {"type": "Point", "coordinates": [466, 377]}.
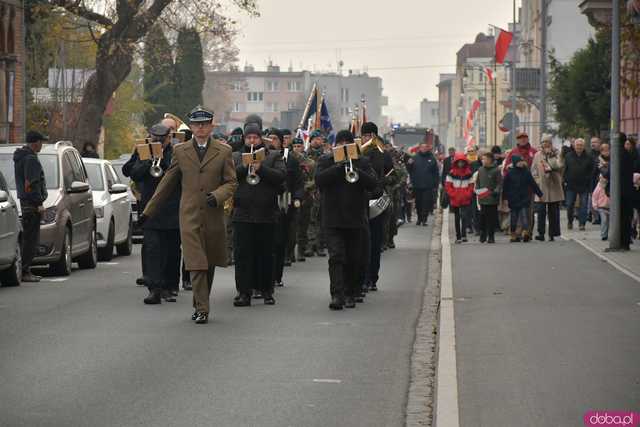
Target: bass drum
{"type": "Point", "coordinates": [378, 206]}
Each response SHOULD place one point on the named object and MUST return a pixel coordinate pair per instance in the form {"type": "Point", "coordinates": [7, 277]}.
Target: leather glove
{"type": "Point", "coordinates": [211, 200]}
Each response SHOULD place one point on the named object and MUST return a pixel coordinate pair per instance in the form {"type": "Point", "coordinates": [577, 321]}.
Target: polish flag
{"type": "Point", "coordinates": [502, 45]}
{"type": "Point", "coordinates": [483, 193]}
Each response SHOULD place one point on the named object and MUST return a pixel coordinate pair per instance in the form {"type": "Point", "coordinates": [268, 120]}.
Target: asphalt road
{"type": "Point", "coordinates": [544, 333]}
{"type": "Point", "coordinates": [86, 351]}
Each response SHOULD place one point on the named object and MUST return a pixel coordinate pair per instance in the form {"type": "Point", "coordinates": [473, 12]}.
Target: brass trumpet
{"type": "Point", "coordinates": [375, 142]}
{"type": "Point", "coordinates": [350, 174]}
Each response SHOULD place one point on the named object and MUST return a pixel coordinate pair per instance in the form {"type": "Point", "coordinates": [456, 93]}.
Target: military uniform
{"type": "Point", "coordinates": [304, 215]}
{"type": "Point", "coordinates": [315, 243]}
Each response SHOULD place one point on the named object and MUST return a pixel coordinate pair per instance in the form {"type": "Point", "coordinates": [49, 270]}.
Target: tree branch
{"type": "Point", "coordinates": [76, 8]}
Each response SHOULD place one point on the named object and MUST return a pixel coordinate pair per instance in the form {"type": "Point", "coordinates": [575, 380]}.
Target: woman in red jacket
{"type": "Point", "coordinates": [459, 187]}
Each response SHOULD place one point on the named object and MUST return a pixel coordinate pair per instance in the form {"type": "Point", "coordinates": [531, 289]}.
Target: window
{"type": "Point", "coordinates": [255, 96]}
{"type": "Point", "coordinates": [291, 106]}
{"type": "Point", "coordinates": [112, 177]}
{"type": "Point", "coordinates": [294, 86]}
{"type": "Point", "coordinates": [237, 107]}
{"type": "Point", "coordinates": [237, 86]}
{"type": "Point", "coordinates": [344, 95]}
{"type": "Point", "coordinates": [49, 164]}
{"type": "Point", "coordinates": [272, 86]}
{"type": "Point", "coordinates": [95, 177]}
{"type": "Point", "coordinates": [272, 107]}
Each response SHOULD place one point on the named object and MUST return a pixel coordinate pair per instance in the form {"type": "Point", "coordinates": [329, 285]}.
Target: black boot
{"type": "Point", "coordinates": [337, 303]}
{"type": "Point", "coordinates": [154, 297]}
{"type": "Point", "coordinates": [269, 299]}
{"type": "Point", "coordinates": [349, 302]}
{"type": "Point", "coordinates": [243, 301]}
{"type": "Point", "coordinates": [167, 296]}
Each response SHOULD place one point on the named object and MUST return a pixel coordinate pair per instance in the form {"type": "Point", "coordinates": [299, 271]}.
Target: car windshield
{"type": "Point", "coordinates": [49, 164]}
{"type": "Point", "coordinates": [95, 176]}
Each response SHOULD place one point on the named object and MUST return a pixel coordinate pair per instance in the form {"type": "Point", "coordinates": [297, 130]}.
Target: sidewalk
{"type": "Point", "coordinates": [590, 238]}
{"type": "Point", "coordinates": [544, 332]}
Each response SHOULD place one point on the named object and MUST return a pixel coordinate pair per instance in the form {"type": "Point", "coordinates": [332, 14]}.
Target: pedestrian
{"type": "Point", "coordinates": [474, 161]}
{"type": "Point", "coordinates": [89, 151]}
{"type": "Point", "coordinates": [600, 198]}
{"type": "Point", "coordinates": [547, 170]}
{"type": "Point", "coordinates": [629, 164]}
{"type": "Point", "coordinates": [344, 215]}
{"type": "Point", "coordinates": [315, 240]}
{"type": "Point", "coordinates": [446, 167]}
{"type": "Point", "coordinates": [425, 179]}
{"type": "Point", "coordinates": [593, 215]}
{"type": "Point", "coordinates": [255, 218]}
{"type": "Point", "coordinates": [488, 187]}
{"type": "Point", "coordinates": [162, 252]}
{"type": "Point", "coordinates": [460, 188]}
{"type": "Point", "coordinates": [523, 149]}
{"type": "Point", "coordinates": [517, 187]}
{"type": "Point", "coordinates": [304, 215]}
{"type": "Point", "coordinates": [203, 169]}
{"type": "Point", "coordinates": [578, 173]}
{"type": "Point", "coordinates": [32, 193]}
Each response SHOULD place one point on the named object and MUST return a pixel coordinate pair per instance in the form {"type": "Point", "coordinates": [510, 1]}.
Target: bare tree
{"type": "Point", "coordinates": [117, 26]}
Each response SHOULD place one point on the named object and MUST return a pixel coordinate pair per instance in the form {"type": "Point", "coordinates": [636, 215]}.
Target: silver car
{"type": "Point", "coordinates": [10, 238]}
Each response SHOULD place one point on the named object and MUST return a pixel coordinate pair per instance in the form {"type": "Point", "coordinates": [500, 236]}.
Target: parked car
{"type": "Point", "coordinates": [114, 221]}
{"type": "Point", "coordinates": [10, 238]}
{"type": "Point", "coordinates": [117, 166]}
{"type": "Point", "coordinates": [68, 225]}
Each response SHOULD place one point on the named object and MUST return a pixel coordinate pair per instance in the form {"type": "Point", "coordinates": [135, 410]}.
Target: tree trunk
{"type": "Point", "coordinates": [113, 64]}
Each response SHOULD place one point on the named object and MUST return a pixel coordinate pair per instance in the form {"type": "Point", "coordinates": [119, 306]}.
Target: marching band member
{"type": "Point", "coordinates": [162, 234]}
{"type": "Point", "coordinates": [344, 207]}
{"type": "Point", "coordinates": [308, 167]}
{"type": "Point", "coordinates": [316, 242]}
{"type": "Point", "coordinates": [203, 169]}
{"type": "Point", "coordinates": [255, 215]}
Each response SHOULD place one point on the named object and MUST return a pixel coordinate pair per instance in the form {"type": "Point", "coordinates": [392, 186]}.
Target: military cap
{"type": "Point", "coordinates": [200, 114]}
{"type": "Point", "coordinates": [159, 130]}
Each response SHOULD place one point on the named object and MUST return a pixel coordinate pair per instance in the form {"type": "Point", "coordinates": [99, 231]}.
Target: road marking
{"type": "Point", "coordinates": [447, 412]}
{"type": "Point", "coordinates": [327, 381]}
{"type": "Point", "coordinates": [604, 258]}
{"type": "Point", "coordinates": [58, 279]}
{"type": "Point", "coordinates": [110, 263]}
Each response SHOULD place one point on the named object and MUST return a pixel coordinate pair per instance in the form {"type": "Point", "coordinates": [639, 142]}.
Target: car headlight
{"type": "Point", "coordinates": [49, 215]}
{"type": "Point", "coordinates": [99, 212]}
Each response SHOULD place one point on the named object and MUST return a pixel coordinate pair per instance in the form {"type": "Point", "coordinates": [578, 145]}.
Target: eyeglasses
{"type": "Point", "coordinates": [200, 124]}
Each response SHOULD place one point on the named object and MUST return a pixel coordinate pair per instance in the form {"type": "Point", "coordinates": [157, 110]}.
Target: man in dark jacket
{"type": "Point", "coordinates": [578, 173]}
{"type": "Point", "coordinates": [425, 179]}
{"type": "Point", "coordinates": [255, 216]}
{"type": "Point", "coordinates": [344, 215]}
{"type": "Point", "coordinates": [518, 185]}
{"type": "Point", "coordinates": [162, 254]}
{"type": "Point", "coordinates": [32, 192]}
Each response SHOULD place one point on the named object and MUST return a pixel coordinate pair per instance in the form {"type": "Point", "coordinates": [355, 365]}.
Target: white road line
{"type": "Point", "coordinates": [447, 412]}
{"type": "Point", "coordinates": [59, 279]}
{"type": "Point", "coordinates": [326, 381]}
{"type": "Point", "coordinates": [110, 263]}
{"type": "Point", "coordinates": [606, 259]}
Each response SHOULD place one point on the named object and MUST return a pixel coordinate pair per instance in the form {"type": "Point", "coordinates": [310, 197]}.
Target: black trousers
{"type": "Point", "coordinates": [162, 255]}
{"type": "Point", "coordinates": [551, 211]}
{"type": "Point", "coordinates": [488, 220]}
{"type": "Point", "coordinates": [253, 250]}
{"type": "Point", "coordinates": [424, 203]}
{"type": "Point", "coordinates": [376, 230]}
{"type": "Point", "coordinates": [626, 214]}
{"type": "Point", "coordinates": [462, 217]}
{"type": "Point", "coordinates": [365, 255]}
{"type": "Point", "coordinates": [292, 233]}
{"type": "Point", "coordinates": [281, 240]}
{"type": "Point", "coordinates": [30, 236]}
{"type": "Point", "coordinates": [345, 247]}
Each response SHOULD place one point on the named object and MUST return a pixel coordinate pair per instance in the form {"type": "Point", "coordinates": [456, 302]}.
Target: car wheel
{"type": "Point", "coordinates": [106, 253]}
{"type": "Point", "coordinates": [12, 276]}
{"type": "Point", "coordinates": [126, 248]}
{"type": "Point", "coordinates": [62, 267]}
{"type": "Point", "coordinates": [89, 260]}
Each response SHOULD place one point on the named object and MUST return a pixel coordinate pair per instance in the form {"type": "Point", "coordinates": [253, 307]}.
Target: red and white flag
{"type": "Point", "coordinates": [483, 193]}
{"type": "Point", "coordinates": [489, 72]}
{"type": "Point", "coordinates": [502, 45]}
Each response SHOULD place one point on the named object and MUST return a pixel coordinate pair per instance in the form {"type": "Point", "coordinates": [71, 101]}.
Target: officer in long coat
{"type": "Point", "coordinates": [204, 168]}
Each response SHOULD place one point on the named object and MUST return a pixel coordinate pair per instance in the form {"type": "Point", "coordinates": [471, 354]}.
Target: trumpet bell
{"type": "Point", "coordinates": [253, 179]}
{"type": "Point", "coordinates": [156, 171]}
{"type": "Point", "coordinates": [351, 176]}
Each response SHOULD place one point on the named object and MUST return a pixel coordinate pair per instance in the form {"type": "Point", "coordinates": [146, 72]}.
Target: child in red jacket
{"type": "Point", "coordinates": [459, 188]}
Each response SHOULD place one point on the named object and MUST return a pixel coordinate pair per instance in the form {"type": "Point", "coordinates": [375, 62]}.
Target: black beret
{"type": "Point", "coordinates": [159, 130]}
{"type": "Point", "coordinates": [276, 132]}
{"type": "Point", "coordinates": [369, 127]}
{"type": "Point", "coordinates": [253, 118]}
{"type": "Point", "coordinates": [344, 136]}
{"type": "Point", "coordinates": [297, 141]}
{"type": "Point", "coordinates": [237, 131]}
{"type": "Point", "coordinates": [252, 129]}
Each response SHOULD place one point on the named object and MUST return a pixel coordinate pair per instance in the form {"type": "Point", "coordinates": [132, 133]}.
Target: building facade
{"type": "Point", "coordinates": [429, 111]}
{"type": "Point", "coordinates": [12, 59]}
{"type": "Point", "coordinates": [446, 109]}
{"type": "Point", "coordinates": [280, 97]}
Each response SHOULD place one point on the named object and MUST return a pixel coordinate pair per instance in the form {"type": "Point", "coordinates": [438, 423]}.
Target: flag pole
{"type": "Point", "coordinates": [308, 106]}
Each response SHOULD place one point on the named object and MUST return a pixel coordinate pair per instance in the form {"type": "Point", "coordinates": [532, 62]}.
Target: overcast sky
{"type": "Point", "coordinates": [388, 41]}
